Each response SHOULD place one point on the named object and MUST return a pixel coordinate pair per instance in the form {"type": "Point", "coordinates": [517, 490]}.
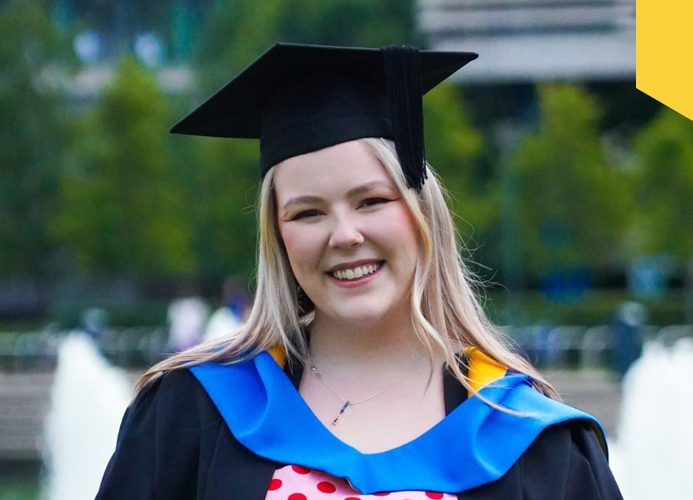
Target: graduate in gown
{"type": "Point", "coordinates": [367, 367]}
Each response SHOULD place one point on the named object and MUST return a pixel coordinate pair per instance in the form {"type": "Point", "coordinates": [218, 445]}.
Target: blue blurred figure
{"type": "Point", "coordinates": [627, 325]}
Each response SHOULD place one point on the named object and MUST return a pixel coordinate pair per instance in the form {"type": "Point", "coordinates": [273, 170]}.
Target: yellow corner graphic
{"type": "Point", "coordinates": [664, 42]}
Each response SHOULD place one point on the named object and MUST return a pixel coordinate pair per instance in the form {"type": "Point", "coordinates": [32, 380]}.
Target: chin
{"type": "Point", "coordinates": [361, 314]}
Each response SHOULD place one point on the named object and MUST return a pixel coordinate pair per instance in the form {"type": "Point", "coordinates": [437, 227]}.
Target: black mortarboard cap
{"type": "Point", "coordinates": [301, 98]}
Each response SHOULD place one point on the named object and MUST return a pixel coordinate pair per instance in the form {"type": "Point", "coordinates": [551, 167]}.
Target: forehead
{"type": "Point", "coordinates": [330, 171]}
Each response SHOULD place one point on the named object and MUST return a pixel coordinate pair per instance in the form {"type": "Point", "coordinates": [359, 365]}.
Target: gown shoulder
{"type": "Point", "coordinates": [565, 462]}
{"type": "Point", "coordinates": [162, 435]}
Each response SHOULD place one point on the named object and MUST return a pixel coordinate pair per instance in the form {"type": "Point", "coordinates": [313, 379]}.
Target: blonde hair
{"type": "Point", "coordinates": [446, 313]}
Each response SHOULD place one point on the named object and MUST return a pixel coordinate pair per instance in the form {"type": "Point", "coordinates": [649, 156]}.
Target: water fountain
{"type": "Point", "coordinates": [652, 457]}
{"type": "Point", "coordinates": [89, 397]}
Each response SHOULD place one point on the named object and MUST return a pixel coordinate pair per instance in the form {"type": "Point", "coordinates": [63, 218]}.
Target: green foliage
{"type": "Point", "coordinates": [221, 184]}
{"type": "Point", "coordinates": [663, 164]}
{"type": "Point", "coordinates": [453, 147]}
{"type": "Point", "coordinates": [129, 200]}
{"type": "Point", "coordinates": [595, 307]}
{"type": "Point", "coordinates": [33, 134]}
{"type": "Point", "coordinates": [122, 210]}
{"type": "Point", "coordinates": [237, 31]}
{"type": "Point", "coordinates": [573, 206]}
{"type": "Point", "coordinates": [348, 22]}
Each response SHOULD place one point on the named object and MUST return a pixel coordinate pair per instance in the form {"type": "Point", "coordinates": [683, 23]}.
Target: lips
{"type": "Point", "coordinates": [354, 264]}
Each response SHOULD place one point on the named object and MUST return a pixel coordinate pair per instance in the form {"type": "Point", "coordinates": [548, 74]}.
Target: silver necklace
{"type": "Point", "coordinates": [348, 403]}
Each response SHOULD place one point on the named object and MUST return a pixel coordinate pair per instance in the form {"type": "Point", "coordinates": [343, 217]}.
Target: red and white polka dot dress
{"type": "Point", "coordinates": [294, 482]}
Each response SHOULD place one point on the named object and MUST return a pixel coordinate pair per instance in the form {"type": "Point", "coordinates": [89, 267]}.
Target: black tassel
{"type": "Point", "coordinates": [403, 79]}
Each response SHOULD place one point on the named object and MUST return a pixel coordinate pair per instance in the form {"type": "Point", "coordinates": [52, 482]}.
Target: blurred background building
{"type": "Point", "coordinates": [528, 41]}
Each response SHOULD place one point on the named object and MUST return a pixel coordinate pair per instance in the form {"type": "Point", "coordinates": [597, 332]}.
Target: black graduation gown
{"type": "Point", "coordinates": [174, 444]}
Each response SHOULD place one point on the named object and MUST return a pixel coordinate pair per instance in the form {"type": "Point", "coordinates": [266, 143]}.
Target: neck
{"type": "Point", "coordinates": [389, 342]}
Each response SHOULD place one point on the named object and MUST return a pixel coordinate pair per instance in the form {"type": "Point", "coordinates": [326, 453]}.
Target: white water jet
{"type": "Point", "coordinates": [653, 456]}
{"type": "Point", "coordinates": [89, 397]}
{"type": "Point", "coordinates": [223, 322]}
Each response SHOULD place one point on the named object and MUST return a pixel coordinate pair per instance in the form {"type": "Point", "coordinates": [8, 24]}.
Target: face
{"type": "Point", "coordinates": [348, 233]}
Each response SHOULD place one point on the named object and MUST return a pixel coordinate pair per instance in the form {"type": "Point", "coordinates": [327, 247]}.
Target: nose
{"type": "Point", "coordinates": [345, 232]}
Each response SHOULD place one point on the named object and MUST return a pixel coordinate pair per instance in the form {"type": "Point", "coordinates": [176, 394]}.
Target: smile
{"type": "Point", "coordinates": [356, 272]}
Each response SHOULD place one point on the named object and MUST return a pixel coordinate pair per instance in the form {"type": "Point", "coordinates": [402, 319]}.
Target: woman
{"type": "Point", "coordinates": [367, 366]}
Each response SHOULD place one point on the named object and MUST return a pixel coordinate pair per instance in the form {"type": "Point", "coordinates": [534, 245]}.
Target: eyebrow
{"type": "Point", "coordinates": [363, 188]}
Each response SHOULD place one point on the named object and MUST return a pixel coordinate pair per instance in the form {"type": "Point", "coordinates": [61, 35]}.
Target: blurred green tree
{"type": "Point", "coordinates": [122, 209]}
{"type": "Point", "coordinates": [453, 147]}
{"type": "Point", "coordinates": [35, 60]}
{"type": "Point", "coordinates": [573, 207]}
{"type": "Point", "coordinates": [236, 32]}
{"type": "Point", "coordinates": [663, 167]}
{"type": "Point", "coordinates": [221, 180]}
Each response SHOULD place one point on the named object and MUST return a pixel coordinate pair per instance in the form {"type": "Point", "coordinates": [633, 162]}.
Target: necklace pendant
{"type": "Point", "coordinates": [346, 406]}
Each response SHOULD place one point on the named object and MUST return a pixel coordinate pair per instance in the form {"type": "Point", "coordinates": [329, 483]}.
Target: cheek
{"type": "Point", "coordinates": [407, 247]}
{"type": "Point", "coordinates": [300, 246]}
{"type": "Point", "coordinates": [400, 232]}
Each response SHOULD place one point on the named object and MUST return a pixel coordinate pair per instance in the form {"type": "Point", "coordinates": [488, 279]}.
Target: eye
{"type": "Point", "coordinates": [305, 214]}
{"type": "Point", "coordinates": [374, 201]}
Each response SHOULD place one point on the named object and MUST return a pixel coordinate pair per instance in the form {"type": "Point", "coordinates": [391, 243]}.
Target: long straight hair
{"type": "Point", "coordinates": [446, 313]}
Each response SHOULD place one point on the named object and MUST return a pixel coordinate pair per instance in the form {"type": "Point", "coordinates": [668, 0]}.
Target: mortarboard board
{"type": "Point", "coordinates": [301, 98]}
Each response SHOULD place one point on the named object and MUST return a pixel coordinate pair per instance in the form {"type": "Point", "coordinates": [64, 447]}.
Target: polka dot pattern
{"type": "Point", "coordinates": [326, 487]}
{"type": "Point", "coordinates": [434, 495]}
{"type": "Point", "coordinates": [295, 482]}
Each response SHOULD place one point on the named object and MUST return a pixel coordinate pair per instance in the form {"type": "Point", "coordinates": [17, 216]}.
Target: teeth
{"type": "Point", "coordinates": [357, 272]}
